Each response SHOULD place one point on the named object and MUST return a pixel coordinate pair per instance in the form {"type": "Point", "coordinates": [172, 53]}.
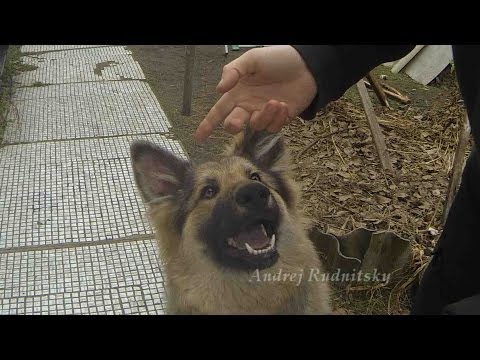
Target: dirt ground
{"type": "Point", "coordinates": [164, 67]}
{"type": "Point", "coordinates": [344, 186]}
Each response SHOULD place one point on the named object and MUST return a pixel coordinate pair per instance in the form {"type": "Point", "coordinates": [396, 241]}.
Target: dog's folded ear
{"type": "Point", "coordinates": [265, 149]}
{"type": "Point", "coordinates": [158, 172]}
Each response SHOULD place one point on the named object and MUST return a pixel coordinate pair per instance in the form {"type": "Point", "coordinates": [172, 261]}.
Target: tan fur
{"type": "Point", "coordinates": [198, 285]}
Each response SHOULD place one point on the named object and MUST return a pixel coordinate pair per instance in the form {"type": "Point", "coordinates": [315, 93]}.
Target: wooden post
{"type": "Point", "coordinates": [3, 57]}
{"type": "Point", "coordinates": [457, 167]}
{"type": "Point", "coordinates": [187, 85]}
{"type": "Point", "coordinates": [378, 90]}
{"type": "Point", "coordinates": [377, 135]}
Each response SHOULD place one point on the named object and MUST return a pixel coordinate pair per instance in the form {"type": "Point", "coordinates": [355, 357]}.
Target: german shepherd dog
{"type": "Point", "coordinates": [229, 232]}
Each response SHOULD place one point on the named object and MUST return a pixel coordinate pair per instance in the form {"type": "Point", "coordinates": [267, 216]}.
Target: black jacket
{"type": "Point", "coordinates": [337, 67]}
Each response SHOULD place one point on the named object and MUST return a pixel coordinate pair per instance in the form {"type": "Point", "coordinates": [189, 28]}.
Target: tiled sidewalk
{"type": "Point", "coordinates": [73, 235]}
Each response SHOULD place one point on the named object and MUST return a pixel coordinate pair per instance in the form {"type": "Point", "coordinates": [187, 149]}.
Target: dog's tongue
{"type": "Point", "coordinates": [254, 236]}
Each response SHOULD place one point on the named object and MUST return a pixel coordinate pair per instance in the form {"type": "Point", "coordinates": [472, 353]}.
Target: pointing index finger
{"type": "Point", "coordinates": [215, 116]}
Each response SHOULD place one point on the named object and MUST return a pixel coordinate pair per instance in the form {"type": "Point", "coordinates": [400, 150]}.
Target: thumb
{"type": "Point", "coordinates": [234, 71]}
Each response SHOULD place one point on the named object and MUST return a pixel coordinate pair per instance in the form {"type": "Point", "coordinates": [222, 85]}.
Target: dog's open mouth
{"type": "Point", "coordinates": [253, 247]}
{"type": "Point", "coordinates": [257, 239]}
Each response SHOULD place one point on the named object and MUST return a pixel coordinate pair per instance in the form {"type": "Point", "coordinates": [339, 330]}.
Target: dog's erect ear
{"type": "Point", "coordinates": [158, 172]}
{"type": "Point", "coordinates": [263, 148]}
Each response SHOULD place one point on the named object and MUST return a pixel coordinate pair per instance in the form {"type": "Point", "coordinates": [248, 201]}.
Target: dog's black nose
{"type": "Point", "coordinates": [252, 196]}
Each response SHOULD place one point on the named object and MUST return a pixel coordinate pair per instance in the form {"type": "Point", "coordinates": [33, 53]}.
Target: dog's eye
{"type": "Point", "coordinates": [255, 177]}
{"type": "Point", "coordinates": [208, 192]}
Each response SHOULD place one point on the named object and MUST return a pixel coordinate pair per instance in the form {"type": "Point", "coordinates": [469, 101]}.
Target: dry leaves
{"type": "Point", "coordinates": [342, 177]}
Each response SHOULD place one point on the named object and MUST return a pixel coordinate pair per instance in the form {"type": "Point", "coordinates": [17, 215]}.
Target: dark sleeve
{"type": "Point", "coordinates": [338, 67]}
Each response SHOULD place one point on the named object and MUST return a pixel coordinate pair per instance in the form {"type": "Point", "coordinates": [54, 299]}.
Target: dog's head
{"type": "Point", "coordinates": [233, 209]}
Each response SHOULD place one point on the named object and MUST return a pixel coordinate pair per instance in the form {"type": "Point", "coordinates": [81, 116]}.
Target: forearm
{"type": "Point", "coordinates": [337, 67]}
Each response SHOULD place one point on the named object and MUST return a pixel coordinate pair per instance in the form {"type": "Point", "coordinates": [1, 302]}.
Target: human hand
{"type": "Point", "coordinates": [266, 87]}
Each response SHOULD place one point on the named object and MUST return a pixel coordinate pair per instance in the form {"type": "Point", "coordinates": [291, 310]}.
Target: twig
{"type": "Point", "coordinates": [403, 99]}
{"type": "Point", "coordinates": [392, 89]}
{"type": "Point", "coordinates": [313, 184]}
{"type": "Point", "coordinates": [316, 221]}
{"type": "Point", "coordinates": [336, 203]}
{"type": "Point", "coordinates": [331, 216]}
{"type": "Point", "coordinates": [428, 162]}
{"type": "Point", "coordinates": [414, 276]}
{"type": "Point", "coordinates": [394, 95]}
{"type": "Point", "coordinates": [335, 145]}
{"type": "Point", "coordinates": [434, 213]}
{"type": "Point", "coordinates": [378, 90]}
{"type": "Point", "coordinates": [353, 221]}
{"type": "Point", "coordinates": [323, 137]}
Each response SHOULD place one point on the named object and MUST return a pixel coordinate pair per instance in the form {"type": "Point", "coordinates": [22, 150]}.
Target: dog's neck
{"type": "Point", "coordinates": [202, 286]}
{"type": "Point", "coordinates": [205, 287]}
{"type": "Point", "coordinates": [224, 292]}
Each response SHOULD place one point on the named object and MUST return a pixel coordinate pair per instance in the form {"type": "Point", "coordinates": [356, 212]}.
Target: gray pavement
{"type": "Point", "coordinates": [74, 238]}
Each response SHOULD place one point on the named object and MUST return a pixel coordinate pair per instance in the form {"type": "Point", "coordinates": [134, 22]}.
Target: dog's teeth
{"type": "Point", "coordinates": [264, 231]}
{"type": "Point", "coordinates": [231, 242]}
{"type": "Point", "coordinates": [262, 251]}
{"type": "Point", "coordinates": [250, 250]}
{"type": "Point", "coordinates": [272, 240]}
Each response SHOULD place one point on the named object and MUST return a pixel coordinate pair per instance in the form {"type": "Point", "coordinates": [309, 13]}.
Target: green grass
{"type": "Point", "coordinates": [38, 84]}
{"type": "Point", "coordinates": [25, 67]}
{"type": "Point", "coordinates": [12, 67]}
